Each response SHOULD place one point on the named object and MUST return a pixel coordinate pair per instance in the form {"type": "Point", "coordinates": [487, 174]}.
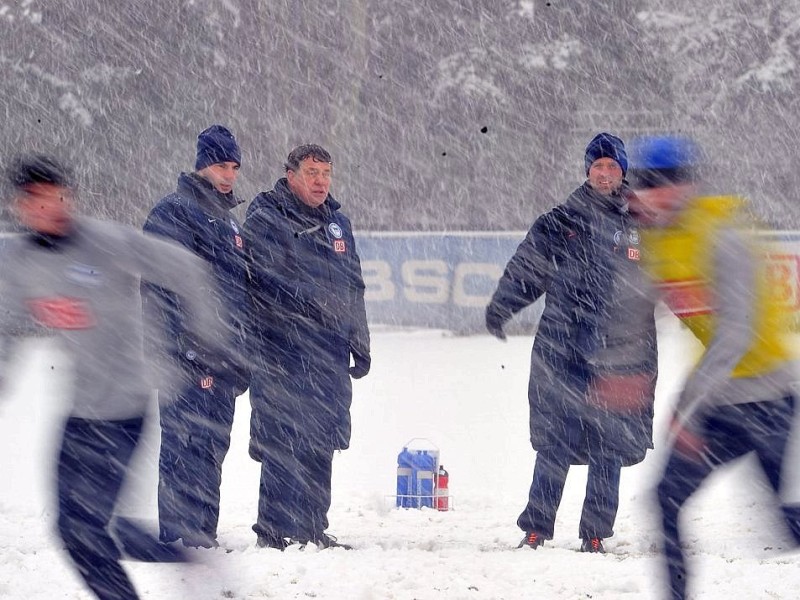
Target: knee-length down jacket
{"type": "Point", "coordinates": [308, 317]}
{"type": "Point", "coordinates": [597, 321]}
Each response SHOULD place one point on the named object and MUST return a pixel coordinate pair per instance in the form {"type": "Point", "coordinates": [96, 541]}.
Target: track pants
{"type": "Point", "coordinates": [195, 437]}
{"type": "Point", "coordinates": [294, 491]}
{"type": "Point", "coordinates": [730, 432]}
{"type": "Point", "coordinates": [92, 464]}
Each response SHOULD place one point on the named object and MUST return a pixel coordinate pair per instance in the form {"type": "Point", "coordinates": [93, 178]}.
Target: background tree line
{"type": "Point", "coordinates": [440, 114]}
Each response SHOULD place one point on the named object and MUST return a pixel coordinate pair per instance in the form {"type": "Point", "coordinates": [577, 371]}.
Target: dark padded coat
{"type": "Point", "coordinates": [198, 217]}
{"type": "Point", "coordinates": [598, 321]}
{"type": "Point", "coordinates": [309, 316]}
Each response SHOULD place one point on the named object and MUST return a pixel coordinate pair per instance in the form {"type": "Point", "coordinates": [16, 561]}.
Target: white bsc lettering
{"type": "Point", "coordinates": [425, 281]}
{"type": "Point", "coordinates": [430, 281]}
{"type": "Point", "coordinates": [467, 270]}
{"type": "Point", "coordinates": [378, 279]}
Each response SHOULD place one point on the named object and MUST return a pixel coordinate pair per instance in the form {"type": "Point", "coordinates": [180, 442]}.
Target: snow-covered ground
{"type": "Point", "coordinates": [467, 395]}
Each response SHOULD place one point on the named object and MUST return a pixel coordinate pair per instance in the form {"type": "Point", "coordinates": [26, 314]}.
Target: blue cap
{"type": "Point", "coordinates": [662, 160]}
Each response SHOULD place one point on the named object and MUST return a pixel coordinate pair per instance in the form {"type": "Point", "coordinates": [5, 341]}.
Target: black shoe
{"type": "Point", "coordinates": [531, 540]}
{"type": "Point", "coordinates": [272, 541]}
{"type": "Point", "coordinates": [323, 541]}
{"type": "Point", "coordinates": [594, 545]}
{"type": "Point", "coordinates": [136, 543]}
{"type": "Point", "coordinates": [199, 541]}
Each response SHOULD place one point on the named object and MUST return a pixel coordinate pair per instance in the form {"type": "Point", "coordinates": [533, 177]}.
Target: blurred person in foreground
{"type": "Point", "coordinates": [78, 278]}
{"type": "Point", "coordinates": [308, 319]}
{"type": "Point", "coordinates": [594, 358]}
{"type": "Point", "coordinates": [196, 413]}
{"type": "Point", "coordinates": [710, 270]}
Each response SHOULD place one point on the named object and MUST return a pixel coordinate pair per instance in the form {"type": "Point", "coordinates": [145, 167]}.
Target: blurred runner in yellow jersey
{"type": "Point", "coordinates": [704, 257]}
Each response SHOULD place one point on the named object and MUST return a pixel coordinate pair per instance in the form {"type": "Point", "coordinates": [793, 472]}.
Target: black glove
{"type": "Point", "coordinates": [361, 364]}
{"type": "Point", "coordinates": [494, 323]}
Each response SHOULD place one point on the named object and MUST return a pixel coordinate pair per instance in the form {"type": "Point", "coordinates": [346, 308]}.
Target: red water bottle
{"type": "Point", "coordinates": [442, 490]}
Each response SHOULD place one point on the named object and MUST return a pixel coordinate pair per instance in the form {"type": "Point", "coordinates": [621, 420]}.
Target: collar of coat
{"type": "Point", "coordinates": [191, 185]}
{"type": "Point", "coordinates": [287, 202]}
{"type": "Point", "coordinates": [586, 200]}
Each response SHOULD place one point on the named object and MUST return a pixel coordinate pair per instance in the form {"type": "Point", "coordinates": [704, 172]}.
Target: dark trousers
{"type": "Point", "coordinates": [294, 494]}
{"type": "Point", "coordinates": [195, 437]}
{"type": "Point", "coordinates": [600, 503]}
{"type": "Point", "coordinates": [730, 432]}
{"type": "Point", "coordinates": [92, 464]}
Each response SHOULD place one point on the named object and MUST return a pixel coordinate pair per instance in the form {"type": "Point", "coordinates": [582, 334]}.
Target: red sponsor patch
{"type": "Point", "coordinates": [633, 253]}
{"type": "Point", "coordinates": [62, 312]}
{"type": "Point", "coordinates": [686, 298]}
{"type": "Point", "coordinates": [783, 278]}
{"type": "Point", "coordinates": [207, 382]}
{"type": "Point", "coordinates": [339, 246]}
{"type": "Point", "coordinates": [238, 241]}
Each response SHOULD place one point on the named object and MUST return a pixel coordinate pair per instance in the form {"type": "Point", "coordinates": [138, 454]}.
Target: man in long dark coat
{"type": "Point", "coordinates": [309, 318]}
{"type": "Point", "coordinates": [593, 365]}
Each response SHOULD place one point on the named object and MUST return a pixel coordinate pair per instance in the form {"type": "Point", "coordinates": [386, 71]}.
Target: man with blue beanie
{"type": "Point", "coordinates": [197, 411]}
{"type": "Point", "coordinates": [593, 365]}
{"type": "Point", "coordinates": [606, 145]}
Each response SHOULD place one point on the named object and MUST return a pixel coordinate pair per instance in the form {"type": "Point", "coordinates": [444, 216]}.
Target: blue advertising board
{"type": "Point", "coordinates": [445, 280]}
{"type": "Point", "coordinates": [437, 280]}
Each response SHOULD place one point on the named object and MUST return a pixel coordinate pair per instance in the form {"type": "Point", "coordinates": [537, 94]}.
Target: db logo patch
{"type": "Point", "coordinates": [238, 241]}
{"type": "Point", "coordinates": [633, 253]}
{"type": "Point", "coordinates": [62, 312]}
{"type": "Point", "coordinates": [339, 246]}
{"type": "Point", "coordinates": [207, 383]}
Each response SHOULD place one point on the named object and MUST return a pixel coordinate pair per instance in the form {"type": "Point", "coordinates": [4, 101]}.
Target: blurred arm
{"type": "Point", "coordinates": [174, 268]}
{"type": "Point", "coordinates": [15, 321]}
{"type": "Point", "coordinates": [735, 268]}
{"type": "Point", "coordinates": [167, 220]}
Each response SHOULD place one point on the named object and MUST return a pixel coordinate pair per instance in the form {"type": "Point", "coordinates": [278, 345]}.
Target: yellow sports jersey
{"type": "Point", "coordinates": [681, 260]}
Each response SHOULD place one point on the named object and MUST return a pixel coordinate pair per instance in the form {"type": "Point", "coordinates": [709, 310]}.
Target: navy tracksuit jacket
{"type": "Point", "coordinates": [197, 413]}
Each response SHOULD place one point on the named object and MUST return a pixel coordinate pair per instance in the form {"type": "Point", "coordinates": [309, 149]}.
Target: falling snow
{"type": "Point", "coordinates": [451, 116]}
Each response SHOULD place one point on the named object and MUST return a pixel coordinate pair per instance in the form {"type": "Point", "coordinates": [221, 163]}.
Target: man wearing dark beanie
{"type": "Point", "coordinates": [593, 365]}
{"type": "Point", "coordinates": [605, 145]}
{"type": "Point", "coordinates": [215, 146]}
{"type": "Point", "coordinates": [196, 413]}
